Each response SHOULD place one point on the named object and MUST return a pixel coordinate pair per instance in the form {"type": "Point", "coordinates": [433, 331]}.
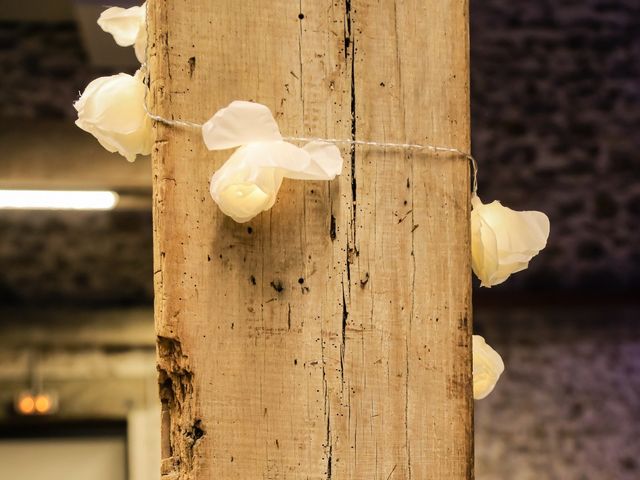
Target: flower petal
{"type": "Point", "coordinates": [140, 45]}
{"type": "Point", "coordinates": [487, 368]}
{"type": "Point", "coordinates": [289, 158]}
{"type": "Point", "coordinates": [484, 249]}
{"type": "Point", "coordinates": [116, 103]}
{"type": "Point", "coordinates": [243, 201]}
{"type": "Point", "coordinates": [503, 241]}
{"type": "Point", "coordinates": [112, 110]}
{"type": "Point", "coordinates": [519, 231]}
{"type": "Point", "coordinates": [243, 187]}
{"type": "Point", "coordinates": [238, 124]}
{"type": "Point", "coordinates": [325, 162]}
{"type": "Point", "coordinates": [123, 23]}
{"type": "Point", "coordinates": [88, 93]}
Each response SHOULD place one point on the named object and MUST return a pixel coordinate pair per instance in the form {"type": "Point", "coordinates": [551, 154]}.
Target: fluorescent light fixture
{"type": "Point", "coordinates": [57, 200]}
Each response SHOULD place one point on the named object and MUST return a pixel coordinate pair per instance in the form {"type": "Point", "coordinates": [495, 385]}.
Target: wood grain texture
{"type": "Point", "coordinates": [329, 338]}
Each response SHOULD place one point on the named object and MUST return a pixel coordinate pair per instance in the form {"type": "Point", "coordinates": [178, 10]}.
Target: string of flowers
{"type": "Point", "coordinates": [113, 109]}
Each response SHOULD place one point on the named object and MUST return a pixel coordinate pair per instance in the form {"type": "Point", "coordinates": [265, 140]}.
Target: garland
{"type": "Point", "coordinates": [113, 109]}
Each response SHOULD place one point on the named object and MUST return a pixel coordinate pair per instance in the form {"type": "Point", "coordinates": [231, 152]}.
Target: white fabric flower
{"type": "Point", "coordinates": [112, 110]}
{"type": "Point", "coordinates": [503, 241]}
{"type": "Point", "coordinates": [248, 182]}
{"type": "Point", "coordinates": [128, 27]}
{"type": "Point", "coordinates": [487, 368]}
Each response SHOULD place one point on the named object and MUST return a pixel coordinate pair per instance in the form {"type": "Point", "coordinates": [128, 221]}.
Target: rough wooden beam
{"type": "Point", "coordinates": [330, 337]}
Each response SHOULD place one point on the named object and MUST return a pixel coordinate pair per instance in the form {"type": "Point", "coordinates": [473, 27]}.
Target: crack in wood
{"type": "Point", "coordinates": [182, 431]}
{"type": "Point", "coordinates": [349, 52]}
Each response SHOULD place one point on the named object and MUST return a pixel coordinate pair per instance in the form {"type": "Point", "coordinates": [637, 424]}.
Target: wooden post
{"type": "Point", "coordinates": [329, 338]}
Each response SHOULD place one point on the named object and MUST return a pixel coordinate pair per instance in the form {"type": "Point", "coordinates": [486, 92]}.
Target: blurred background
{"type": "Point", "coordinates": [556, 111]}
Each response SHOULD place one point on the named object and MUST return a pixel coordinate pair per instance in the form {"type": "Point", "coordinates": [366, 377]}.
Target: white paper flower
{"type": "Point", "coordinates": [112, 110]}
{"type": "Point", "coordinates": [128, 27]}
{"type": "Point", "coordinates": [487, 368]}
{"type": "Point", "coordinates": [248, 182]}
{"type": "Point", "coordinates": [503, 241]}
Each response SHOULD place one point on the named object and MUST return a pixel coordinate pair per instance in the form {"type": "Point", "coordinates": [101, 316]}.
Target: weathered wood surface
{"type": "Point", "coordinates": [329, 338]}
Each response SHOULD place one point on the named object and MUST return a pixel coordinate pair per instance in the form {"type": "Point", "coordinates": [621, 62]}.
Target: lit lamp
{"type": "Point", "coordinates": [29, 403]}
{"type": "Point", "coordinates": [57, 200]}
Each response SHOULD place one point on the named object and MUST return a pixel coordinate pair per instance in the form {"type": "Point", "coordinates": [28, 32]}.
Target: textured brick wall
{"type": "Point", "coordinates": [43, 69]}
{"type": "Point", "coordinates": [76, 257]}
{"type": "Point", "coordinates": [556, 127]}
{"type": "Point", "coordinates": [568, 405]}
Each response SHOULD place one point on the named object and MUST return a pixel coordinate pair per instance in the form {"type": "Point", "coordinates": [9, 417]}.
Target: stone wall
{"type": "Point", "coordinates": [87, 258]}
{"type": "Point", "coordinates": [567, 406]}
{"type": "Point", "coordinates": [556, 114]}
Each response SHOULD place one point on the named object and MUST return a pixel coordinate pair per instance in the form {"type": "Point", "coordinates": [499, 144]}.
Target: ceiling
{"type": "Point", "coordinates": [98, 45]}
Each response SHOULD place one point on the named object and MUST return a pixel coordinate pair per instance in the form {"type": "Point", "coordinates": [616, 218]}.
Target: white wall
{"type": "Point", "coordinates": [63, 459]}
{"type": "Point", "coordinates": [143, 432]}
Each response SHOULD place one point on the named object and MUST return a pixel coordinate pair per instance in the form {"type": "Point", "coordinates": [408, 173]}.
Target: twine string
{"type": "Point", "coordinates": [340, 141]}
{"type": "Point", "coordinates": [336, 141]}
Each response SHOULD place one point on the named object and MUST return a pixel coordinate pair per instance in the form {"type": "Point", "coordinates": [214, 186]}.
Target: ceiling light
{"type": "Point", "coordinates": [58, 199]}
{"type": "Point", "coordinates": [31, 403]}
